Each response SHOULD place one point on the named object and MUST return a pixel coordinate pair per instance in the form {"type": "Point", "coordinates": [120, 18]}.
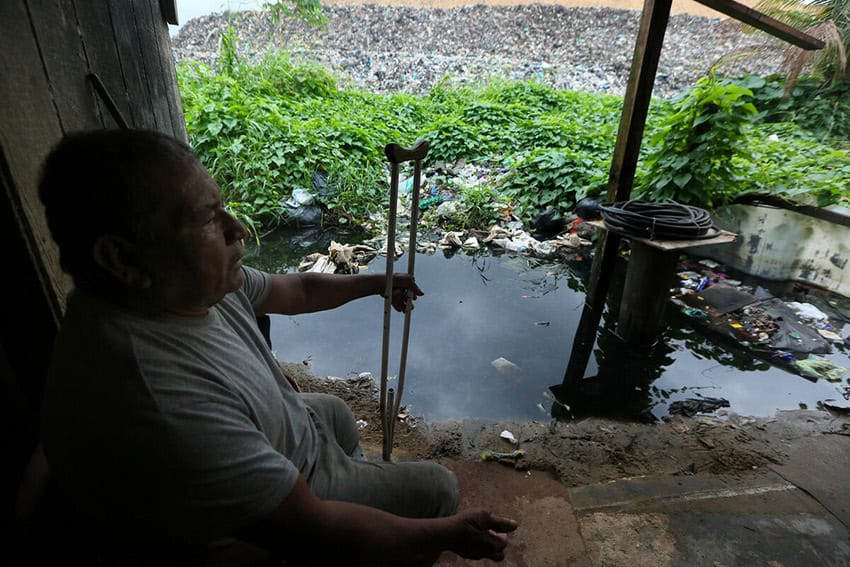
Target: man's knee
{"type": "Point", "coordinates": [446, 490]}
{"type": "Point", "coordinates": [337, 418]}
{"type": "Point", "coordinates": [328, 406]}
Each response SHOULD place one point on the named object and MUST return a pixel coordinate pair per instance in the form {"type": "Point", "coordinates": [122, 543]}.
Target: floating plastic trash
{"type": "Point", "coordinates": [505, 366]}
{"type": "Point", "coordinates": [695, 313]}
{"type": "Point", "coordinates": [830, 335]}
{"type": "Point", "coordinates": [817, 367]}
{"type": "Point", "coordinates": [693, 406]}
{"type": "Point", "coordinates": [341, 259]}
{"type": "Point", "coordinates": [807, 310]}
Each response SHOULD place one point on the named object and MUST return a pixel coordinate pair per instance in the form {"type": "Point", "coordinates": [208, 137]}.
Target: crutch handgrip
{"type": "Point", "coordinates": [397, 154]}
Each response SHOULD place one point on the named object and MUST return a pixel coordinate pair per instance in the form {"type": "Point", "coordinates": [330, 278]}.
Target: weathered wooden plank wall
{"type": "Point", "coordinates": [47, 50]}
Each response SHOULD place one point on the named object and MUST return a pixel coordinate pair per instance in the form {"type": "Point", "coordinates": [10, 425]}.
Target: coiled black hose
{"type": "Point", "coordinates": [658, 221]}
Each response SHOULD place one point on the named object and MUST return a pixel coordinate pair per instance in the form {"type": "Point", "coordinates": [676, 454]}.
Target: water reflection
{"type": "Point", "coordinates": [623, 385]}
{"type": "Point", "coordinates": [482, 308]}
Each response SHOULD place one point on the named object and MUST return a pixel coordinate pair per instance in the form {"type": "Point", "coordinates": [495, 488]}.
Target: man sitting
{"type": "Point", "coordinates": [167, 420]}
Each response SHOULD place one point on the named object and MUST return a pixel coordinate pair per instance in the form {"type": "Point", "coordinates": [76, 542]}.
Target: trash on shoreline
{"type": "Point", "coordinates": [693, 406]}
{"type": "Point", "coordinates": [513, 240]}
{"type": "Point", "coordinates": [451, 239]}
{"type": "Point", "coordinates": [398, 248]}
{"type": "Point", "coordinates": [341, 259]}
{"type": "Point", "coordinates": [509, 437]}
{"type": "Point", "coordinates": [471, 243]}
{"type": "Point", "coordinates": [502, 456]}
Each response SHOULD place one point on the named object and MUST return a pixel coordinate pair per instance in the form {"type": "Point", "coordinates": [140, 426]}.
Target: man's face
{"type": "Point", "coordinates": [195, 257]}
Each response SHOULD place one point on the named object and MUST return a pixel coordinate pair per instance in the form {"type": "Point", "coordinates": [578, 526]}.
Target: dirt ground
{"type": "Point", "coordinates": [589, 450]}
{"type": "Point", "coordinates": [693, 458]}
{"type": "Point", "coordinates": [678, 7]}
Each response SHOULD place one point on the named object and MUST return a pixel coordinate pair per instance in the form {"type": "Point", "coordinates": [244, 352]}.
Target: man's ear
{"type": "Point", "coordinates": [118, 257]}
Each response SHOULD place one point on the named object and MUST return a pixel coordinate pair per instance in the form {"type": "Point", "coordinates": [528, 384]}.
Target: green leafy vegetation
{"type": "Point", "coordinates": [560, 178]}
{"type": "Point", "coordinates": [308, 10]}
{"type": "Point", "coordinates": [699, 146]}
{"type": "Point", "coordinates": [798, 167]}
{"type": "Point", "coordinates": [822, 111]}
{"type": "Point", "coordinates": [266, 129]}
{"type": "Point", "coordinates": [726, 138]}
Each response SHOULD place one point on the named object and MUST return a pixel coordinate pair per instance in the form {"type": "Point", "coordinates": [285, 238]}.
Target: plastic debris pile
{"type": "Point", "coordinates": [794, 335]}
{"type": "Point", "coordinates": [340, 259]}
{"type": "Point", "coordinates": [391, 49]}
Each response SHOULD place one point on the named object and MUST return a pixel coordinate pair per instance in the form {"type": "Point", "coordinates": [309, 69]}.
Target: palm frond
{"type": "Point", "coordinates": [832, 58]}
{"type": "Point", "coordinates": [835, 48]}
{"type": "Point", "coordinates": [795, 13]}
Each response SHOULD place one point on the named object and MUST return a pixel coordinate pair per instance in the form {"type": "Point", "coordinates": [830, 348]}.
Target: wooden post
{"type": "Point", "coordinates": [645, 293]}
{"type": "Point", "coordinates": [653, 24]}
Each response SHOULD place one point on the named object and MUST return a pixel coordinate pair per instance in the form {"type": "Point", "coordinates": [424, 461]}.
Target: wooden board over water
{"type": "Point", "coordinates": [725, 237]}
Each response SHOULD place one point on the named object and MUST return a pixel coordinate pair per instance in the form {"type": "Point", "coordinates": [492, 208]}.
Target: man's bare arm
{"type": "Point", "coordinates": [329, 532]}
{"type": "Point", "coordinates": [308, 292]}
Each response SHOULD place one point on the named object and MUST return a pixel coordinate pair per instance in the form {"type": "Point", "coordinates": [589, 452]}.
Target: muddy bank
{"type": "Point", "coordinates": [592, 450]}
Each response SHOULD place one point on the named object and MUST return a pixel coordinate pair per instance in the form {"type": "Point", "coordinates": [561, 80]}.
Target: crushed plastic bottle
{"type": "Point", "coordinates": [695, 313]}
{"type": "Point", "coordinates": [426, 204]}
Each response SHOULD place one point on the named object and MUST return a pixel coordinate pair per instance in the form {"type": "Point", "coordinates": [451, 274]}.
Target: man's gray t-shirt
{"type": "Point", "coordinates": [177, 428]}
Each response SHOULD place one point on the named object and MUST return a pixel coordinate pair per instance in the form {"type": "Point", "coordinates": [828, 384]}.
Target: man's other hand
{"type": "Point", "coordinates": [481, 535]}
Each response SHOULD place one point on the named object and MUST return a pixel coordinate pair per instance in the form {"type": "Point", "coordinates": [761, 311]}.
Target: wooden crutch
{"type": "Point", "coordinates": [391, 400]}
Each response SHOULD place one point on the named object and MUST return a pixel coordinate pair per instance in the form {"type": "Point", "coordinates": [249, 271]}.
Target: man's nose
{"type": "Point", "coordinates": [235, 229]}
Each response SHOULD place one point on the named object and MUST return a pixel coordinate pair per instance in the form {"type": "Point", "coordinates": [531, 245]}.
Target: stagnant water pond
{"type": "Point", "coordinates": [480, 308]}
